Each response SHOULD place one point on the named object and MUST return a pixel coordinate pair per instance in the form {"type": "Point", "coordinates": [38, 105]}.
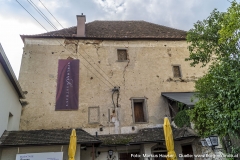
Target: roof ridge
{"type": "Point", "coordinates": [118, 20]}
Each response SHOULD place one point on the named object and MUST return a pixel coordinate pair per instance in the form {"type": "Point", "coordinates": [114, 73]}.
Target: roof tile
{"type": "Point", "coordinates": [44, 137]}
{"type": "Point", "coordinates": [120, 30]}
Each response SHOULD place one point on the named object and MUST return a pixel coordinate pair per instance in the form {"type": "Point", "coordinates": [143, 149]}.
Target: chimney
{"type": "Point", "coordinates": [81, 19]}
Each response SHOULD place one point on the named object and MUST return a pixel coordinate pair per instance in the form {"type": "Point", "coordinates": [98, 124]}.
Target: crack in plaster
{"type": "Point", "coordinates": [124, 72]}
{"type": "Point", "coordinates": [97, 48]}
{"type": "Point", "coordinates": [125, 68]}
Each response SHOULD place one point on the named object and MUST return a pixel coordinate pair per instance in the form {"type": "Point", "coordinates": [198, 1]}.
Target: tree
{"type": "Point", "coordinates": [215, 42]}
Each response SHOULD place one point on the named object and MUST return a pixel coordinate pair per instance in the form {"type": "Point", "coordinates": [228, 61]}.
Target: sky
{"type": "Point", "coordinates": [15, 21]}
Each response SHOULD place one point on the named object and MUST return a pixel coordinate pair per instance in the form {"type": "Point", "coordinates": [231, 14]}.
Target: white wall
{"type": "Point", "coordinates": [9, 103]}
{"type": "Point", "coordinates": [10, 153]}
{"type": "Point", "coordinates": [87, 154]}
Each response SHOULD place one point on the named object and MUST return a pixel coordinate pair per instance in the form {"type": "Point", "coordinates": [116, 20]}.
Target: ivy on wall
{"type": "Point", "coordinates": [182, 119]}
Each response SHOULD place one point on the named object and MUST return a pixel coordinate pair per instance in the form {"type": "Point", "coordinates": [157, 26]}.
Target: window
{"type": "Point", "coordinates": [93, 115]}
{"type": "Point", "coordinates": [177, 71]}
{"type": "Point", "coordinates": [139, 110]}
{"type": "Point", "coordinates": [10, 119]}
{"type": "Point", "coordinates": [122, 54]}
{"type": "Point", "coordinates": [187, 150]}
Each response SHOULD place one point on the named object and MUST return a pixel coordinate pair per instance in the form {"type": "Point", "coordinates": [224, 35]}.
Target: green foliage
{"type": "Point", "coordinates": [231, 25]}
{"type": "Point", "coordinates": [182, 119]}
{"type": "Point", "coordinates": [212, 40]}
{"type": "Point", "coordinates": [218, 108]}
{"type": "Point", "coordinates": [180, 106]}
{"type": "Point", "coordinates": [203, 39]}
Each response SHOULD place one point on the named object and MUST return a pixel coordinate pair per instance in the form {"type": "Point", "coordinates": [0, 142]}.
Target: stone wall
{"type": "Point", "coordinates": [147, 72]}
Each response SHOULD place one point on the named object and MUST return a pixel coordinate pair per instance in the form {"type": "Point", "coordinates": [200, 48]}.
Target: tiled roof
{"type": "Point", "coordinates": [144, 136]}
{"type": "Point", "coordinates": [54, 137]}
{"type": "Point", "coordinates": [44, 137]}
{"type": "Point", "coordinates": [117, 139]}
{"type": "Point", "coordinates": [119, 30]}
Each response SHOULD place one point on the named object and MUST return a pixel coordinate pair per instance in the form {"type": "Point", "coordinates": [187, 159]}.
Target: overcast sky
{"type": "Point", "coordinates": [15, 21]}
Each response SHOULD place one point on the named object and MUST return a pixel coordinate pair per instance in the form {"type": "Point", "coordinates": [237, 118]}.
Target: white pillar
{"type": "Point", "coordinates": [147, 150]}
{"type": "Point", "coordinates": [78, 150]}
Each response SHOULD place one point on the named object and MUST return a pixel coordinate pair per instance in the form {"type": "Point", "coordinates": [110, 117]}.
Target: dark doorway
{"type": "Point", "coordinates": [187, 151]}
{"type": "Point", "coordinates": [129, 156]}
{"type": "Point", "coordinates": [160, 155]}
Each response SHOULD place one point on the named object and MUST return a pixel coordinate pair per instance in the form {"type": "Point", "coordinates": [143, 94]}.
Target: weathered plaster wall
{"type": "Point", "coordinates": [147, 73]}
{"type": "Point", "coordinates": [9, 103]}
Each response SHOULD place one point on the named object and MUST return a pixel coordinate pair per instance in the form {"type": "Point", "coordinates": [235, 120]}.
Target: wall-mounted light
{"type": "Point", "coordinates": [204, 143]}
{"type": "Point", "coordinates": [110, 153]}
{"type": "Point", "coordinates": [211, 141]}
{"type": "Point", "coordinates": [83, 148]}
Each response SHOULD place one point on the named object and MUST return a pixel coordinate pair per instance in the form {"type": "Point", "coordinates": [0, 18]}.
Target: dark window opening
{"type": "Point", "coordinates": [177, 71]}
{"type": "Point", "coordinates": [122, 54]}
{"type": "Point", "coordinates": [187, 150]}
{"type": "Point", "coordinates": [129, 156]}
{"type": "Point", "coordinates": [160, 155]}
{"type": "Point", "coordinates": [160, 152]}
{"type": "Point", "coordinates": [173, 107]}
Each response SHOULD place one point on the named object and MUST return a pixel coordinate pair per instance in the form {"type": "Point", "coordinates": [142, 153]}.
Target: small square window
{"type": "Point", "coordinates": [139, 110]}
{"type": "Point", "coordinates": [122, 54]}
{"type": "Point", "coordinates": [177, 71]}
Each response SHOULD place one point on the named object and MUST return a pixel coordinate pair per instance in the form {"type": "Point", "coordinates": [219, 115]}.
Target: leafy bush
{"type": "Point", "coordinates": [182, 119]}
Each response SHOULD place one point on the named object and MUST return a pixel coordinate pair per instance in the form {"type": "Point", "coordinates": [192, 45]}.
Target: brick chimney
{"type": "Point", "coordinates": [81, 19]}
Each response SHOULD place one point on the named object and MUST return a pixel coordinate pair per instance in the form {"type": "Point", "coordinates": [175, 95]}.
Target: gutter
{"type": "Point", "coordinates": [100, 38]}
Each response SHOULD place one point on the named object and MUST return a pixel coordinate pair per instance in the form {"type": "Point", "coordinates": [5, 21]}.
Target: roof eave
{"type": "Point", "coordinates": [9, 71]}
{"type": "Point", "coordinates": [104, 38]}
{"type": "Point", "coordinates": [46, 144]}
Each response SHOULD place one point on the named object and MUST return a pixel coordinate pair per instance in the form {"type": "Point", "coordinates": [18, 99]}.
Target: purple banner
{"type": "Point", "coordinates": [67, 85]}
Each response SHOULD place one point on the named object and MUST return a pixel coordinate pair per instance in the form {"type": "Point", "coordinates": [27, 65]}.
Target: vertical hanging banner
{"type": "Point", "coordinates": [67, 84]}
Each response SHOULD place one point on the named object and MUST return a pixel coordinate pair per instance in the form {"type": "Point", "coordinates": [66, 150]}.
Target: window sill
{"type": "Point", "coordinates": [177, 77]}
{"type": "Point", "coordinates": [110, 124]}
{"type": "Point", "coordinates": [93, 123]}
{"type": "Point", "coordinates": [122, 60]}
{"type": "Point", "coordinates": [140, 122]}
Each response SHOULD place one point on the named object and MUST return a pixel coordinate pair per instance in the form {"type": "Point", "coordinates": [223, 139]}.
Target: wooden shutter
{"type": "Point", "coordinates": [176, 71]}
{"type": "Point", "coordinates": [138, 112]}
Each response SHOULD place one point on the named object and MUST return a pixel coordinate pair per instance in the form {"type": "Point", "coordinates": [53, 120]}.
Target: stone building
{"type": "Point", "coordinates": [105, 78]}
